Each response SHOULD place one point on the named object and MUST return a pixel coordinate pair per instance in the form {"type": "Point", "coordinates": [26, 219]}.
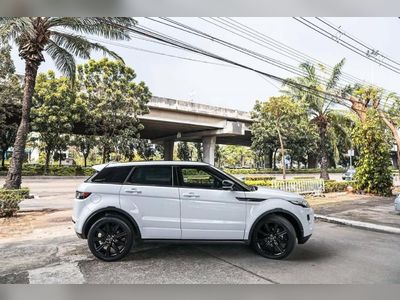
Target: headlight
{"type": "Point", "coordinates": [301, 202]}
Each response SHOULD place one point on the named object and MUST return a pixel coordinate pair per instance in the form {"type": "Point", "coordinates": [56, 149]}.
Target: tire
{"type": "Point", "coordinates": [274, 237]}
{"type": "Point", "coordinates": [110, 238]}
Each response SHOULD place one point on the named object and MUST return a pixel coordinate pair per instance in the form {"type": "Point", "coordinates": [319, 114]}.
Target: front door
{"type": "Point", "coordinates": [208, 211]}
{"type": "Point", "coordinates": [149, 196]}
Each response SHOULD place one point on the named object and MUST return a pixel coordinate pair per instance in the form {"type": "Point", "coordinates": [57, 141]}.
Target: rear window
{"type": "Point", "coordinates": [112, 175]}
{"type": "Point", "coordinates": [152, 175]}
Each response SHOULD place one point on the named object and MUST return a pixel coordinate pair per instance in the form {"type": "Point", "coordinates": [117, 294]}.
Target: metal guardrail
{"type": "Point", "coordinates": [306, 186]}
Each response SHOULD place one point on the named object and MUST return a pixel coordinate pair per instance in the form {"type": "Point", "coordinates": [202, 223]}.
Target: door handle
{"type": "Point", "coordinates": [133, 191]}
{"type": "Point", "coordinates": [191, 195]}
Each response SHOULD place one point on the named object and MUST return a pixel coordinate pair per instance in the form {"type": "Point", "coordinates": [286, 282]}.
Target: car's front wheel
{"type": "Point", "coordinates": [274, 237]}
{"type": "Point", "coordinates": [110, 238]}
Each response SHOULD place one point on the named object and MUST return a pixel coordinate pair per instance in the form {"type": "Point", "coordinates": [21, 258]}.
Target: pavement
{"type": "Point", "coordinates": [50, 192]}
{"type": "Point", "coordinates": [40, 247]}
{"type": "Point", "coordinates": [335, 254]}
{"type": "Point", "coordinates": [359, 208]}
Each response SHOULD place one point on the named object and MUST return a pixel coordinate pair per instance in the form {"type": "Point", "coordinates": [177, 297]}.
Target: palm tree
{"type": "Point", "coordinates": [60, 38]}
{"type": "Point", "coordinates": [319, 105]}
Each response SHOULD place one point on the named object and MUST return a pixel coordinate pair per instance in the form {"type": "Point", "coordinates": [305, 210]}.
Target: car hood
{"type": "Point", "coordinates": [265, 193]}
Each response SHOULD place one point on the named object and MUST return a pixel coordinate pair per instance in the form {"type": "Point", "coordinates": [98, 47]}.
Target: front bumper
{"type": "Point", "coordinates": [304, 239]}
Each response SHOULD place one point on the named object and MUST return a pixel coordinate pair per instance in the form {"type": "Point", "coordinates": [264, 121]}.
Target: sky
{"type": "Point", "coordinates": [232, 87]}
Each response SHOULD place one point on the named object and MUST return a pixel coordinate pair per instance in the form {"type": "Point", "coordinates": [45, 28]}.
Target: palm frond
{"type": "Point", "coordinates": [335, 76]}
{"type": "Point", "coordinates": [64, 60]}
{"type": "Point", "coordinates": [115, 28]}
{"type": "Point", "coordinates": [14, 28]}
{"type": "Point", "coordinates": [79, 45]}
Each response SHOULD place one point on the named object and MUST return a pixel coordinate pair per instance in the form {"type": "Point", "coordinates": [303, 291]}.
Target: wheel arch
{"type": "Point", "coordinates": [109, 211]}
{"type": "Point", "coordinates": [292, 218]}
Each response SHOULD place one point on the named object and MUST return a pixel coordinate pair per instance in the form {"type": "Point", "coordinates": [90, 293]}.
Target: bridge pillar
{"type": "Point", "coordinates": [168, 150]}
{"type": "Point", "coordinates": [209, 149]}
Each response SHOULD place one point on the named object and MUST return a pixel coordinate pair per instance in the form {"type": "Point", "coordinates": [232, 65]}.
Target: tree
{"type": "Point", "coordinates": [233, 155]}
{"type": "Point", "coordinates": [113, 100]}
{"type": "Point", "coordinates": [53, 110]}
{"type": "Point", "coordinates": [85, 144]}
{"type": "Point", "coordinates": [282, 116]}
{"type": "Point", "coordinates": [319, 105]}
{"type": "Point", "coordinates": [36, 35]}
{"type": "Point", "coordinates": [264, 138]}
{"type": "Point", "coordinates": [373, 169]}
{"type": "Point", "coordinates": [184, 152]}
{"type": "Point", "coordinates": [10, 101]}
{"type": "Point", "coordinates": [146, 150]}
{"type": "Point", "coordinates": [391, 117]}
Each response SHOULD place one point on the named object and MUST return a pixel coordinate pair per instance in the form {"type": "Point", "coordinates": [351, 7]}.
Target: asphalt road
{"type": "Point", "coordinates": [335, 254]}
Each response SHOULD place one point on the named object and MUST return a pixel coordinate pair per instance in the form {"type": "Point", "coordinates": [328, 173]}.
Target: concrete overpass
{"type": "Point", "coordinates": [173, 120]}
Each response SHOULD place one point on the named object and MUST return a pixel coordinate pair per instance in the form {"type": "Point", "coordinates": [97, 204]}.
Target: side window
{"type": "Point", "coordinates": [197, 177]}
{"type": "Point", "coordinates": [112, 175]}
{"type": "Point", "coordinates": [152, 175]}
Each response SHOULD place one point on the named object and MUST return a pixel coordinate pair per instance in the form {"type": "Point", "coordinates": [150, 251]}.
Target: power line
{"type": "Point", "coordinates": [370, 49]}
{"type": "Point", "coordinates": [337, 38]}
{"type": "Point", "coordinates": [301, 55]}
{"type": "Point", "coordinates": [188, 47]}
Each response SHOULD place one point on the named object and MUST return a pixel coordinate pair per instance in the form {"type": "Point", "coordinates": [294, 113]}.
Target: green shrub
{"type": "Point", "coordinates": [259, 182]}
{"type": "Point", "coordinates": [9, 201]}
{"type": "Point", "coordinates": [289, 171]}
{"type": "Point", "coordinates": [38, 170]}
{"type": "Point", "coordinates": [332, 186]}
{"type": "Point", "coordinates": [258, 178]}
{"type": "Point", "coordinates": [303, 177]}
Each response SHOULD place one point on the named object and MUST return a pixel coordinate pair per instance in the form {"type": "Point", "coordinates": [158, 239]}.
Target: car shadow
{"type": "Point", "coordinates": [312, 251]}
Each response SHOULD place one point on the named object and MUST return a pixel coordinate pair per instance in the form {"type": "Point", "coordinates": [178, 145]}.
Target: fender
{"type": "Point", "coordinates": [110, 209]}
{"type": "Point", "coordinates": [299, 229]}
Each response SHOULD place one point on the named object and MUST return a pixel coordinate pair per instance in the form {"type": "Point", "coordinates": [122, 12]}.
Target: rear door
{"type": "Point", "coordinates": [150, 197]}
{"type": "Point", "coordinates": [208, 211]}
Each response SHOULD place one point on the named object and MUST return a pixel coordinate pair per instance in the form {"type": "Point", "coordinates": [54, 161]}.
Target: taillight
{"type": "Point", "coordinates": [82, 195]}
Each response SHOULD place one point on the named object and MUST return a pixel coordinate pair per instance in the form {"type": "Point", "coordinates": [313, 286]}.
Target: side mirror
{"type": "Point", "coordinates": [227, 184]}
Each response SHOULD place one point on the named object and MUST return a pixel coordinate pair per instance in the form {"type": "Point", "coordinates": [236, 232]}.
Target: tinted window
{"type": "Point", "coordinates": [198, 177]}
{"type": "Point", "coordinates": [152, 175]}
{"type": "Point", "coordinates": [112, 175]}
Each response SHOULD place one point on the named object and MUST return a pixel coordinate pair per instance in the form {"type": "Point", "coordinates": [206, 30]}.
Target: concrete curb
{"type": "Point", "coordinates": [359, 224]}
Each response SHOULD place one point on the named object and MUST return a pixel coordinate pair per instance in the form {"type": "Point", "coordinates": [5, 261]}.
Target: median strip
{"type": "Point", "coordinates": [359, 224]}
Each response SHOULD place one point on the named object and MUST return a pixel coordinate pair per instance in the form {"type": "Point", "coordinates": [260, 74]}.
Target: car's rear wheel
{"type": "Point", "coordinates": [110, 238]}
{"type": "Point", "coordinates": [274, 237]}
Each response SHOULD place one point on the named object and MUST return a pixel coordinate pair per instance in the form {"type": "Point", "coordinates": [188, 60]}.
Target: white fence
{"type": "Point", "coordinates": [396, 180]}
{"type": "Point", "coordinates": [306, 186]}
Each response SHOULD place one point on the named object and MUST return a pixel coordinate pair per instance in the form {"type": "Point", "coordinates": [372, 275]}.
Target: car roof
{"type": "Point", "coordinates": [150, 163]}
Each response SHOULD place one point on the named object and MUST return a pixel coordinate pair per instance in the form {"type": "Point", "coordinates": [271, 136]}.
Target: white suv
{"type": "Point", "coordinates": [124, 203]}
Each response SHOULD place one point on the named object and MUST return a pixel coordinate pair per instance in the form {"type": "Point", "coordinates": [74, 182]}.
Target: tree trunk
{"type": "Point", "coordinates": [59, 158]}
{"type": "Point", "coordinates": [3, 157]}
{"type": "Point", "coordinates": [323, 148]}
{"type": "Point", "coordinates": [312, 161]}
{"type": "Point", "coordinates": [47, 162]}
{"type": "Point", "coordinates": [282, 153]}
{"type": "Point", "coordinates": [395, 132]}
{"type": "Point", "coordinates": [269, 161]}
{"type": "Point", "coordinates": [274, 159]}
{"type": "Point", "coordinates": [13, 180]}
{"type": "Point", "coordinates": [85, 157]}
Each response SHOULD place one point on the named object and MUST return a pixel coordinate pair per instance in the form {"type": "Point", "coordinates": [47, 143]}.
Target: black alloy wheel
{"type": "Point", "coordinates": [274, 237]}
{"type": "Point", "coordinates": [110, 238]}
